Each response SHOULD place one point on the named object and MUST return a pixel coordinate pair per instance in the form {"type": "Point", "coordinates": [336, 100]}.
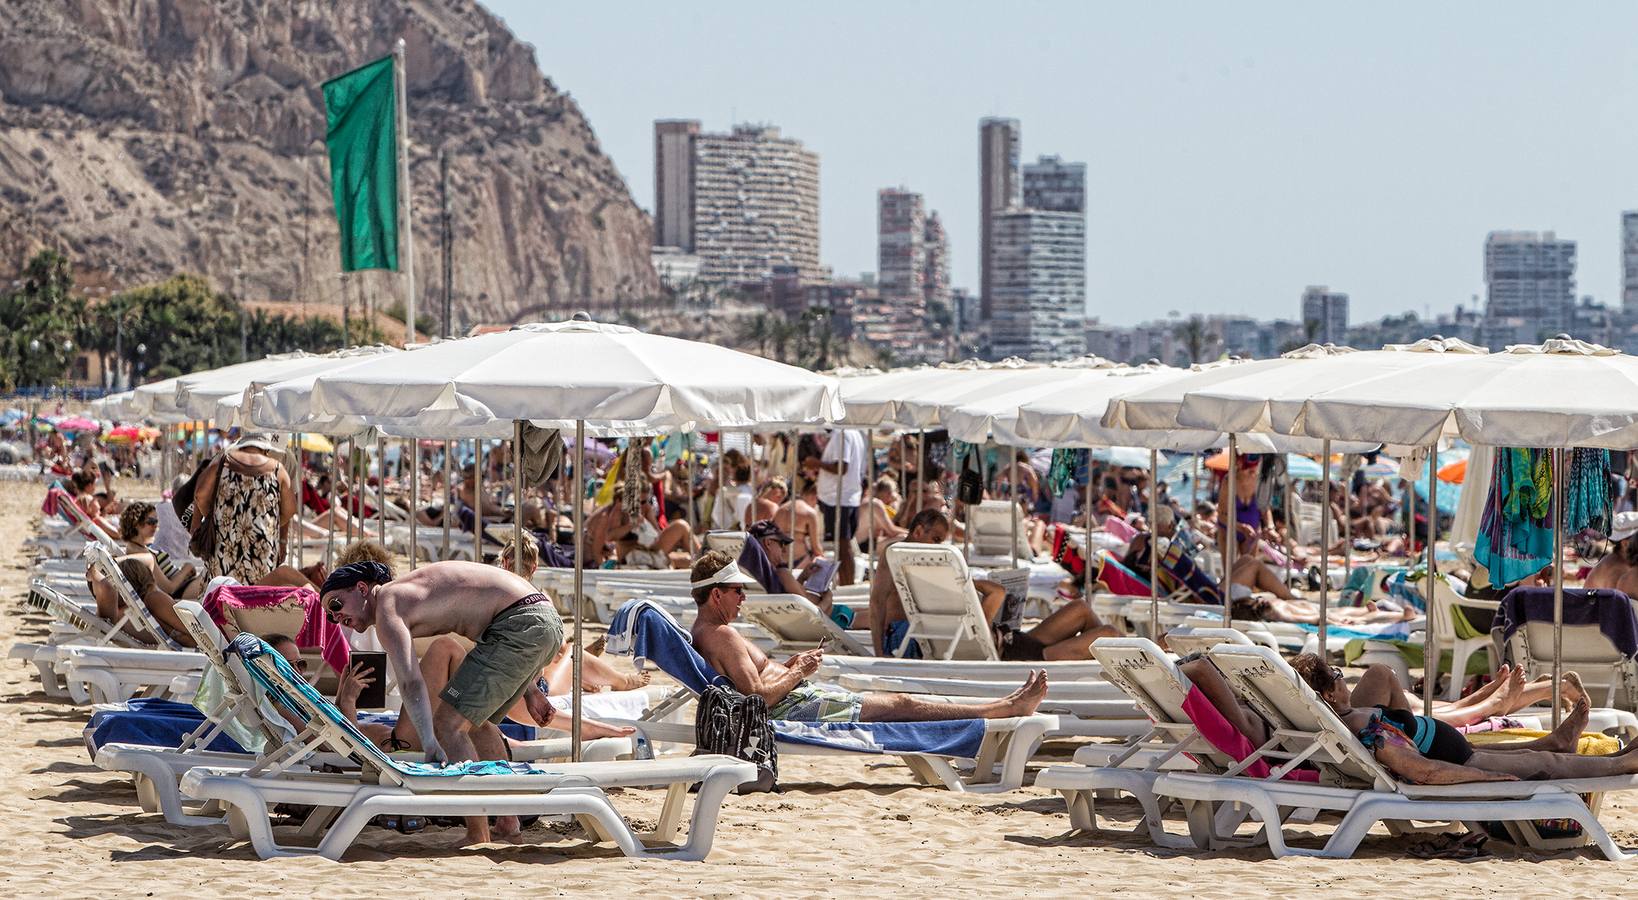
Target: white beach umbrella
{"type": "Point", "coordinates": [927, 405]}
{"type": "Point", "coordinates": [199, 395]}
{"type": "Point", "coordinates": [580, 371]}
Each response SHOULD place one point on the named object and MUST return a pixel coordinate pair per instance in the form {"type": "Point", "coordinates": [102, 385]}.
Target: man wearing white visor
{"type": "Point", "coordinates": [719, 588]}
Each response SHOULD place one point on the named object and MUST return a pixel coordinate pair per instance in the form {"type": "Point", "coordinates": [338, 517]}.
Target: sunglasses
{"type": "Point", "coordinates": [151, 521]}
{"type": "Point", "coordinates": [332, 609]}
{"type": "Point", "coordinates": [299, 664]}
{"type": "Point", "coordinates": [736, 588]}
{"type": "Point", "coordinates": [1337, 673]}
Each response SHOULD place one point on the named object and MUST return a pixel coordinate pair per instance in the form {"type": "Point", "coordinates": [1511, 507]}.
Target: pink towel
{"type": "Point", "coordinates": [1221, 734]}
{"type": "Point", "coordinates": [1120, 528]}
{"type": "Point", "coordinates": [317, 631]}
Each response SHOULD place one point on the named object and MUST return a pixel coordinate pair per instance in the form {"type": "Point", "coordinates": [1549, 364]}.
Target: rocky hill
{"type": "Point", "coordinates": [150, 136]}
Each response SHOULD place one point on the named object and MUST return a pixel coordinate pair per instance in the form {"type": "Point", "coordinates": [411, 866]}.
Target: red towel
{"type": "Point", "coordinates": [317, 631]}
{"type": "Point", "coordinates": [1220, 733]}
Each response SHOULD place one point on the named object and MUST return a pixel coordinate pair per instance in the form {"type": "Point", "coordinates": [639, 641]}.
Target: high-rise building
{"type": "Point", "coordinates": [936, 262]}
{"type": "Point", "coordinates": [1629, 261]}
{"type": "Point", "coordinates": [1052, 184]}
{"type": "Point", "coordinates": [998, 190]}
{"type": "Point", "coordinates": [901, 230]}
{"type": "Point", "coordinates": [674, 183]}
{"type": "Point", "coordinates": [1328, 311]}
{"type": "Point", "coordinates": [1529, 276]}
{"type": "Point", "coordinates": [751, 201]}
{"type": "Point", "coordinates": [1038, 302]}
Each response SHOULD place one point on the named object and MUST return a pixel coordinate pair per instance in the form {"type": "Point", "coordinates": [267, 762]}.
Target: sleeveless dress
{"type": "Point", "coordinates": [247, 525]}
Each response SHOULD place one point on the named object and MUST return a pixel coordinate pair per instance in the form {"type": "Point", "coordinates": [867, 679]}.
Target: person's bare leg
{"type": "Point", "coordinates": [1541, 764]}
{"type": "Point", "coordinates": [284, 576]}
{"type": "Point", "coordinates": [844, 557]}
{"type": "Point", "coordinates": [437, 665]}
{"type": "Point", "coordinates": [1540, 690]}
{"type": "Point", "coordinates": [1378, 686]}
{"type": "Point", "coordinates": [1563, 739]}
{"type": "Point", "coordinates": [455, 735]}
{"type": "Point", "coordinates": [164, 609]}
{"type": "Point", "coordinates": [1079, 646]}
{"type": "Point", "coordinates": [1264, 579]}
{"type": "Point", "coordinates": [676, 536]}
{"type": "Point", "coordinates": [880, 707]}
{"type": "Point", "coordinates": [1065, 622]}
{"type": "Point", "coordinates": [990, 600]}
{"type": "Point", "coordinates": [595, 672]}
{"type": "Point", "coordinates": [1203, 675]}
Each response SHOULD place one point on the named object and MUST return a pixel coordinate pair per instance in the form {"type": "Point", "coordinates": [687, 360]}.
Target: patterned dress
{"type": "Point", "coordinates": [247, 525]}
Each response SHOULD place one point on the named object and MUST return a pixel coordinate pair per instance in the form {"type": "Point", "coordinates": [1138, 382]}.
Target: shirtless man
{"type": "Point", "coordinates": [1618, 570]}
{"type": "Point", "coordinates": [888, 624]}
{"type": "Point", "coordinates": [808, 525]}
{"type": "Point", "coordinates": [517, 632]}
{"type": "Point", "coordinates": [719, 588]}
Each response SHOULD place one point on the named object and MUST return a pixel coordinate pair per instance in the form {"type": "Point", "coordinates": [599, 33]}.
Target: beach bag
{"type": "Point", "coordinates": [734, 724]}
{"type": "Point", "coordinates": [202, 530]}
{"type": "Point", "coordinates": [970, 489]}
{"type": "Point", "coordinates": [182, 497]}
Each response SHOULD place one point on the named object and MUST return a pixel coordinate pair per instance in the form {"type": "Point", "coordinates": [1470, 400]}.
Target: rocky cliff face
{"type": "Point", "coordinates": [150, 136]}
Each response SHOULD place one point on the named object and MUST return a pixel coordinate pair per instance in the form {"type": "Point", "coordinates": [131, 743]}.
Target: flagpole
{"type": "Point", "coordinates": [405, 228]}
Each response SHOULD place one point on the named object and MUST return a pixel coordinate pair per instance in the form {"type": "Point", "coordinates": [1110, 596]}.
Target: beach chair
{"type": "Point", "coordinates": [796, 624]}
{"type": "Point", "coordinates": [389, 786]}
{"type": "Point", "coordinates": [969, 755]}
{"type": "Point", "coordinates": [940, 602]}
{"type": "Point", "coordinates": [72, 622]}
{"type": "Point", "coordinates": [105, 674]}
{"type": "Point", "coordinates": [1353, 783]}
{"type": "Point", "coordinates": [1450, 626]}
{"type": "Point", "coordinates": [1600, 639]}
{"type": "Point", "coordinates": [990, 525]}
{"type": "Point", "coordinates": [80, 529]}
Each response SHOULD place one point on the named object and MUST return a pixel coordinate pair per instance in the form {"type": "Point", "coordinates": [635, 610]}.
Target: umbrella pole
{"type": "Point", "coordinates": [301, 488]}
{"type": "Point", "coordinates": [836, 511]}
{"type": "Point", "coordinates": [517, 496]}
{"type": "Point", "coordinates": [477, 501]}
{"type": "Point", "coordinates": [1154, 545]}
{"type": "Point", "coordinates": [966, 511]}
{"type": "Point", "coordinates": [1016, 512]}
{"type": "Point", "coordinates": [415, 501]}
{"type": "Point", "coordinates": [1292, 520]}
{"type": "Point", "coordinates": [1231, 534]}
{"type": "Point", "coordinates": [579, 564]}
{"type": "Point", "coordinates": [1347, 523]}
{"type": "Point", "coordinates": [449, 495]}
{"type": "Point", "coordinates": [795, 495]}
{"type": "Point", "coordinates": [688, 489]}
{"type": "Point", "coordinates": [1086, 548]}
{"type": "Point", "coordinates": [352, 485]}
{"type": "Point", "coordinates": [722, 478]}
{"type": "Point", "coordinates": [904, 473]}
{"type": "Point", "coordinates": [1430, 661]}
{"type": "Point", "coordinates": [1558, 574]}
{"type": "Point", "coordinates": [1325, 549]}
{"type": "Point", "coordinates": [869, 496]}
{"type": "Point", "coordinates": [330, 526]}
{"type": "Point", "coordinates": [381, 490]}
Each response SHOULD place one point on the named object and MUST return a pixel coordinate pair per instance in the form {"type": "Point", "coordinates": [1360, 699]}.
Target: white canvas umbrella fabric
{"type": "Point", "coordinates": [580, 371]}
{"type": "Point", "coordinates": [200, 395]}
{"type": "Point", "coordinates": [927, 406]}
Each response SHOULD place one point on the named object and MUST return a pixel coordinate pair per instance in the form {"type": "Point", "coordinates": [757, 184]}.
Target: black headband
{"type": "Point", "coordinates": [346, 576]}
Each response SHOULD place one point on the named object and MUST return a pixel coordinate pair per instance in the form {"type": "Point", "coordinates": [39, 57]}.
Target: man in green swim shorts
{"type": "Point", "coordinates": [718, 588]}
{"type": "Point", "coordinates": [516, 630]}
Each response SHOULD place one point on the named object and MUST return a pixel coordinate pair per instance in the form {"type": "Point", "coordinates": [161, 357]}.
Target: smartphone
{"type": "Point", "coordinates": [375, 695]}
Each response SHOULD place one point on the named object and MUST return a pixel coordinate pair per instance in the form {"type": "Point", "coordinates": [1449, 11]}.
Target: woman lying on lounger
{"type": "Point", "coordinates": [1252, 574]}
{"type": "Point", "coordinates": [1429, 751]}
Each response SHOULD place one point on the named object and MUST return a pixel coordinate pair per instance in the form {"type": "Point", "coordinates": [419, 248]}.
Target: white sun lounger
{"type": "Point", "coordinates": [1353, 783]}
{"type": "Point", "coordinates": [113, 674]}
{"type": "Point", "coordinates": [940, 602]}
{"type": "Point", "coordinates": [72, 622]}
{"type": "Point", "coordinates": [991, 530]}
{"type": "Point", "coordinates": [345, 804]}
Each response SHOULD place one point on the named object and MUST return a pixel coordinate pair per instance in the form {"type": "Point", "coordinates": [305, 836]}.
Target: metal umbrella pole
{"type": "Point", "coordinates": [1016, 514]}
{"type": "Point", "coordinates": [1430, 660]}
{"type": "Point", "coordinates": [1086, 549]}
{"type": "Point", "coordinates": [449, 495]}
{"type": "Point", "coordinates": [1230, 521]}
{"type": "Point", "coordinates": [1292, 520]}
{"type": "Point", "coordinates": [795, 495]}
{"type": "Point", "coordinates": [722, 477]}
{"type": "Point", "coordinates": [1325, 549]}
{"type": "Point", "coordinates": [579, 574]}
{"type": "Point", "coordinates": [352, 485]}
{"type": "Point", "coordinates": [301, 488]}
{"type": "Point", "coordinates": [335, 504]}
{"type": "Point", "coordinates": [517, 496]}
{"type": "Point", "coordinates": [869, 495]}
{"type": "Point", "coordinates": [1154, 544]}
{"type": "Point", "coordinates": [415, 501]}
{"type": "Point", "coordinates": [477, 501]}
{"type": "Point", "coordinates": [904, 472]}
{"type": "Point", "coordinates": [1559, 456]}
{"type": "Point", "coordinates": [381, 489]}
{"type": "Point", "coordinates": [688, 489]}
{"type": "Point", "coordinates": [1347, 522]}
{"type": "Point", "coordinates": [836, 511]}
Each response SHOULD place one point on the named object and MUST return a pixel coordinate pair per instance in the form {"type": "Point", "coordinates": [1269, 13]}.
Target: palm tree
{"type": "Point", "coordinates": [1195, 337]}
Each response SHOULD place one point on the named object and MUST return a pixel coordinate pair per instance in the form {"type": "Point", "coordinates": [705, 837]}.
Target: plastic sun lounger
{"type": "Point", "coordinates": [72, 623]}
{"type": "Point", "coordinates": [940, 602]}
{"type": "Point", "coordinates": [345, 804]}
{"type": "Point", "coordinates": [992, 531]}
{"type": "Point", "coordinates": [999, 766]}
{"type": "Point", "coordinates": [796, 624]}
{"type": "Point", "coordinates": [1083, 708]}
{"type": "Point", "coordinates": [1153, 682]}
{"type": "Point", "coordinates": [1354, 783]}
{"type": "Point", "coordinates": [157, 771]}
{"type": "Point", "coordinates": [114, 674]}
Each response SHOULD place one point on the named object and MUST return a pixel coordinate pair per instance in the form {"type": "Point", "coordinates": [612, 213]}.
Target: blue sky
{"type": "Point", "coordinates": [1236, 151]}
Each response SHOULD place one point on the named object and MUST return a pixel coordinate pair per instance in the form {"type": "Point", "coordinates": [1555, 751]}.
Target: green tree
{"type": "Point", "coordinates": [39, 315]}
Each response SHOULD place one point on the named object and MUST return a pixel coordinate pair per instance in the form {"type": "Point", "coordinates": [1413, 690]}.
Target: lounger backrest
{"type": "Point", "coordinates": [990, 526]}
{"type": "Point", "coordinates": [68, 509]}
{"type": "Point", "coordinates": [1587, 652]}
{"type": "Point", "coordinates": [1140, 668]}
{"type": "Point", "coordinates": [1263, 679]}
{"type": "Point", "coordinates": [95, 628]}
{"type": "Point", "coordinates": [1199, 640]}
{"type": "Point", "coordinates": [940, 602]}
{"type": "Point", "coordinates": [136, 607]}
{"type": "Point", "coordinates": [729, 542]}
{"type": "Point", "coordinates": [797, 623]}
{"type": "Point", "coordinates": [210, 641]}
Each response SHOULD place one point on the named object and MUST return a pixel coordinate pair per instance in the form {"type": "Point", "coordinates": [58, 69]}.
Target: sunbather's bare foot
{"type": "Point", "coordinates": [595, 648]}
{"type": "Point", "coordinates": [506, 830]}
{"type": "Point", "coordinates": [477, 832]}
{"type": "Point", "coordinates": [1025, 700]}
{"type": "Point", "coordinates": [1571, 689]}
{"type": "Point", "coordinates": [633, 682]}
{"type": "Point", "coordinates": [1568, 733]}
{"type": "Point", "coordinates": [591, 728]}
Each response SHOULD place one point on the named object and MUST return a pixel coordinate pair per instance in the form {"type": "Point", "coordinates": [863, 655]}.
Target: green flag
{"type": "Point", "coordinates": [361, 108]}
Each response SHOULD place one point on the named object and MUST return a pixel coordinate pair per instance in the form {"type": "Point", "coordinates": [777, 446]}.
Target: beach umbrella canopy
{"type": "Point", "coordinates": [199, 395]}
{"type": "Point", "coordinates": [1454, 472]}
{"type": "Point", "coordinates": [989, 411]}
{"type": "Point", "coordinates": [558, 373]}
{"type": "Point", "coordinates": [1124, 457]}
{"type": "Point", "coordinates": [315, 443]}
{"type": "Point", "coordinates": [78, 425]}
{"type": "Point", "coordinates": [1072, 414]}
{"type": "Point", "coordinates": [1561, 393]}
{"type": "Point", "coordinates": [999, 388]}
{"type": "Point", "coordinates": [124, 434]}
{"type": "Point", "coordinates": [1302, 467]}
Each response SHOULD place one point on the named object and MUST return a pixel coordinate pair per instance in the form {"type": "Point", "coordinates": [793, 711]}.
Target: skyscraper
{"type": "Point", "coordinates": [998, 190]}
{"type": "Point", "coordinates": [1328, 311]}
{"type": "Point", "coordinates": [936, 267]}
{"type": "Point", "coordinates": [901, 230]}
{"type": "Point", "coordinates": [1629, 260]}
{"type": "Point", "coordinates": [751, 201]}
{"type": "Point", "coordinates": [674, 183]}
{"type": "Point", "coordinates": [1052, 184]}
{"type": "Point", "coordinates": [1530, 277]}
{"type": "Point", "coordinates": [1038, 306]}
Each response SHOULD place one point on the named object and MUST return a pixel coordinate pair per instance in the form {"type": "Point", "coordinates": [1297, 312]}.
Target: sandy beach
{"type": "Point", "coordinates": [840, 827]}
